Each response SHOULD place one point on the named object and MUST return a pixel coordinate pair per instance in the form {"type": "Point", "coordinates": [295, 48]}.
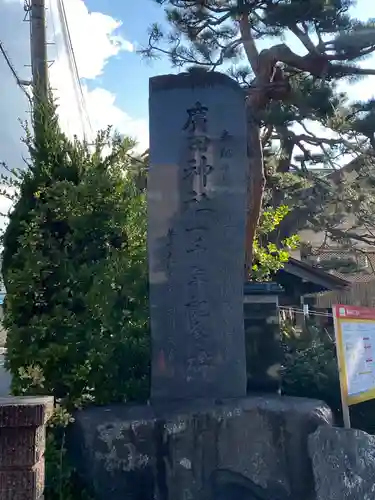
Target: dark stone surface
{"type": "Point", "coordinates": [196, 236]}
{"type": "Point", "coordinates": [251, 449]}
{"type": "Point", "coordinates": [343, 463]}
{"type": "Point", "coordinates": [195, 79]}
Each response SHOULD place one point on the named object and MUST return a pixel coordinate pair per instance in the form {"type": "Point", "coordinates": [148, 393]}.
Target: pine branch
{"type": "Point", "coordinates": [368, 239]}
{"type": "Point", "coordinates": [304, 38]}
{"type": "Point", "coordinates": [267, 135]}
{"type": "Point", "coordinates": [249, 43]}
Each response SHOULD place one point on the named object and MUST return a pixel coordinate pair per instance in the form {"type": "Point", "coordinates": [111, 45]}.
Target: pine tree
{"type": "Point", "coordinates": [286, 89]}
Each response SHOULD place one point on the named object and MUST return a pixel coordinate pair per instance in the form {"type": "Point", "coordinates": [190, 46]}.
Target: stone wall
{"type": "Point", "coordinates": [22, 444]}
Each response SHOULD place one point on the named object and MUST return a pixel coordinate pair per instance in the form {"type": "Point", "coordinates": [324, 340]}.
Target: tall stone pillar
{"type": "Point", "coordinates": [197, 188]}
{"type": "Point", "coordinates": [22, 444]}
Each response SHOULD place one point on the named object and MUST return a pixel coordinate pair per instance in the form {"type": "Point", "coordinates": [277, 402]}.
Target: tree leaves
{"type": "Point", "coordinates": [269, 257]}
{"type": "Point", "coordinates": [75, 271]}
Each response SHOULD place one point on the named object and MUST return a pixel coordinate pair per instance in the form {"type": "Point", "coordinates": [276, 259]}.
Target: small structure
{"type": "Point", "coordinates": [299, 279]}
{"type": "Point", "coordinates": [296, 285]}
{"type": "Point", "coordinates": [264, 353]}
{"type": "Point", "coordinates": [303, 286]}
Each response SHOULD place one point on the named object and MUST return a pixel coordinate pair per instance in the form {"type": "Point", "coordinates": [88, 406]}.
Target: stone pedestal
{"type": "Point", "coordinates": [22, 444]}
{"type": "Point", "coordinates": [248, 449]}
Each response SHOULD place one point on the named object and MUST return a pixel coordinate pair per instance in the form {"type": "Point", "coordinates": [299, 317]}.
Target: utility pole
{"type": "Point", "coordinates": [38, 45]}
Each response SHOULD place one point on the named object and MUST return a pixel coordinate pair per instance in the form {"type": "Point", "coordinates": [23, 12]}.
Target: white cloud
{"type": "Point", "coordinates": [102, 104]}
{"type": "Point", "coordinates": [96, 38]}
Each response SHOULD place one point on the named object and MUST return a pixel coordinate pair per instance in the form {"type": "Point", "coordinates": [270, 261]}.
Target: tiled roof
{"type": "Point", "coordinates": [361, 276]}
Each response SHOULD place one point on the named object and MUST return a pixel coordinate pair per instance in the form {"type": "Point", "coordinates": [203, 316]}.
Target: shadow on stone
{"type": "Point", "coordinates": [227, 485]}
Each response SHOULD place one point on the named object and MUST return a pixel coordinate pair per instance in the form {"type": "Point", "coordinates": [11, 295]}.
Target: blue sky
{"type": "Point", "coordinates": [104, 35]}
{"type": "Point", "coordinates": [115, 78]}
{"type": "Point", "coordinates": [126, 75]}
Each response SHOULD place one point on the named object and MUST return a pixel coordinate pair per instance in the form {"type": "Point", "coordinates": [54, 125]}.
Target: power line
{"type": "Point", "coordinates": [301, 311]}
{"type": "Point", "coordinates": [20, 83]}
{"type": "Point", "coordinates": [73, 63]}
{"type": "Point", "coordinates": [68, 47]}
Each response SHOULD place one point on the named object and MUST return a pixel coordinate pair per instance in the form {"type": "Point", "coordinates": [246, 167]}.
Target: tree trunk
{"type": "Point", "coordinates": [256, 185]}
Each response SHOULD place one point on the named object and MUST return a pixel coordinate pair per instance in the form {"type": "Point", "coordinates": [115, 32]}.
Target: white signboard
{"type": "Point", "coordinates": [355, 344]}
{"type": "Point", "coordinates": [359, 342]}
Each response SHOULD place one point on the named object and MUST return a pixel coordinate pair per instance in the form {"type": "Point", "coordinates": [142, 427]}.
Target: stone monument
{"type": "Point", "coordinates": [196, 236]}
{"type": "Point", "coordinates": [201, 438]}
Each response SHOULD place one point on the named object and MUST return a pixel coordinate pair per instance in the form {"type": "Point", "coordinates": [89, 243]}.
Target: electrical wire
{"type": "Point", "coordinates": [76, 72]}
{"type": "Point", "coordinates": [19, 82]}
{"type": "Point", "coordinates": [54, 29]}
{"type": "Point", "coordinates": [67, 45]}
{"type": "Point", "coordinates": [301, 311]}
{"type": "Point", "coordinates": [78, 90]}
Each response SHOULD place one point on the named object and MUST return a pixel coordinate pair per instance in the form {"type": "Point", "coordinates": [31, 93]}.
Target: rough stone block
{"type": "Point", "coordinates": [22, 484]}
{"type": "Point", "coordinates": [343, 463]}
{"type": "Point", "coordinates": [21, 447]}
{"type": "Point", "coordinates": [199, 450]}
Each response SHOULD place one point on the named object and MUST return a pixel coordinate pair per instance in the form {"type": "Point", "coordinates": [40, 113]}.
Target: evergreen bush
{"type": "Point", "coordinates": [75, 271]}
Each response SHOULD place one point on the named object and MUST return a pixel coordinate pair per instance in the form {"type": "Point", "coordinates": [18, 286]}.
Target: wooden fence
{"type": "Point", "coordinates": [359, 294]}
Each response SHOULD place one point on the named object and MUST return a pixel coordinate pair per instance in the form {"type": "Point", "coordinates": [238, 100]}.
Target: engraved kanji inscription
{"type": "Point", "coordinates": [201, 365]}
{"type": "Point", "coordinates": [199, 143]}
{"type": "Point", "coordinates": [198, 277]}
{"type": "Point", "coordinates": [197, 241]}
{"type": "Point", "coordinates": [198, 169]}
{"type": "Point", "coordinates": [197, 304]}
{"type": "Point", "coordinates": [197, 119]}
{"type": "Point", "coordinates": [225, 149]}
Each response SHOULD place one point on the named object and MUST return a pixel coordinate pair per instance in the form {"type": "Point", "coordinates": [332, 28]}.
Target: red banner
{"type": "Point", "coordinates": [353, 312]}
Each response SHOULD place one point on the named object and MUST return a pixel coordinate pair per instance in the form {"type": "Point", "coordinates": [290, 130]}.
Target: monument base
{"type": "Point", "coordinates": [254, 448]}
